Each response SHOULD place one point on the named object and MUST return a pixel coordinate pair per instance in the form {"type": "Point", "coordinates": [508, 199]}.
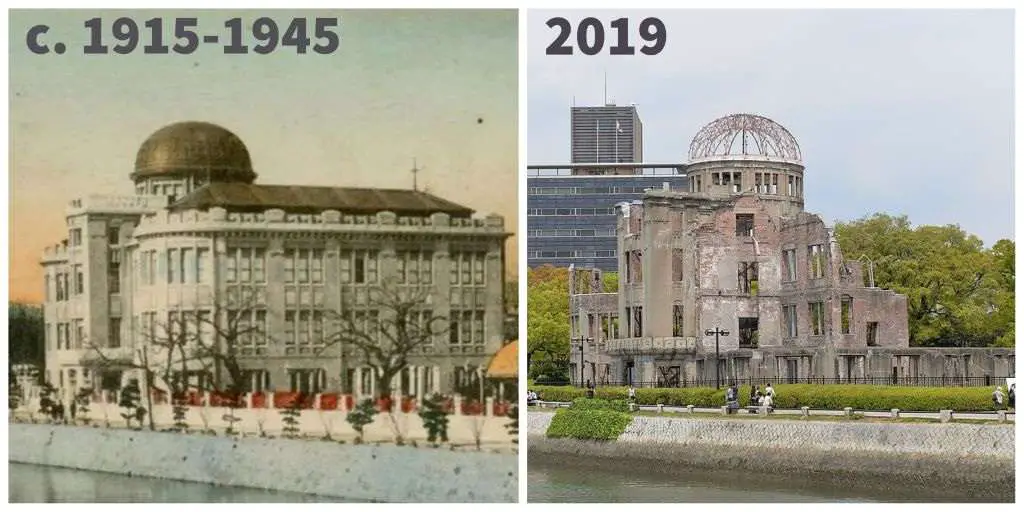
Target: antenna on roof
{"type": "Point", "coordinates": [415, 171]}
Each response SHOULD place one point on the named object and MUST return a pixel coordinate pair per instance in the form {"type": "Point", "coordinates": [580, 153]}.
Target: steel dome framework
{"type": "Point", "coordinates": [744, 136]}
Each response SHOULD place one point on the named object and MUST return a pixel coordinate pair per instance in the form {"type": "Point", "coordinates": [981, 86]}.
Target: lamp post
{"type": "Point", "coordinates": [582, 340]}
{"type": "Point", "coordinates": [716, 332]}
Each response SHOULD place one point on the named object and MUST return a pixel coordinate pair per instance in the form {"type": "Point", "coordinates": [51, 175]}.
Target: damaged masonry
{"type": "Point", "coordinates": [738, 252]}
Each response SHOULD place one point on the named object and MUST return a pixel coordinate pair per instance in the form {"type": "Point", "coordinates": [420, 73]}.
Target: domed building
{"type": "Point", "coordinates": [201, 255]}
{"type": "Point", "coordinates": [736, 253]}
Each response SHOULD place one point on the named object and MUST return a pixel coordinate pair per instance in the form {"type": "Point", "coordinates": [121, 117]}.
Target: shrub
{"type": "Point", "coordinates": [815, 396]}
{"type": "Point", "coordinates": [593, 424]}
{"type": "Point", "coordinates": [435, 419]}
{"type": "Point", "coordinates": [361, 416]}
{"type": "Point", "coordinates": [584, 404]}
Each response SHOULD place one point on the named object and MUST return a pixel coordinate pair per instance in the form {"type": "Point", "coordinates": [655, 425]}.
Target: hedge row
{"type": "Point", "coordinates": [600, 404]}
{"type": "Point", "coordinates": [592, 424]}
{"type": "Point", "coordinates": [787, 396]}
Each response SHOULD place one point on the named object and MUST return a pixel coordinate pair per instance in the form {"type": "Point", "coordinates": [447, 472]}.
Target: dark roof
{"type": "Point", "coordinates": [244, 197]}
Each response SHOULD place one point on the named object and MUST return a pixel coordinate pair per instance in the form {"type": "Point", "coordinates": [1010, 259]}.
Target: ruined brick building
{"type": "Point", "coordinates": [737, 252]}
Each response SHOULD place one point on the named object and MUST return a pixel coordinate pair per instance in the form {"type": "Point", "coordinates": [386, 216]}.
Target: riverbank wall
{"type": "Point", "coordinates": [392, 474]}
{"type": "Point", "coordinates": [971, 456]}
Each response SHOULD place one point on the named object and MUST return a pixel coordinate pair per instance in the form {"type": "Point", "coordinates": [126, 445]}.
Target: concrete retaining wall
{"type": "Point", "coordinates": [363, 472]}
{"type": "Point", "coordinates": [953, 454]}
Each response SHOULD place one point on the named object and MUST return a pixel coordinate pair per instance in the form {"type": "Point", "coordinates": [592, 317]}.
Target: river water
{"type": "Point", "coordinates": [569, 479]}
{"type": "Point", "coordinates": [29, 483]}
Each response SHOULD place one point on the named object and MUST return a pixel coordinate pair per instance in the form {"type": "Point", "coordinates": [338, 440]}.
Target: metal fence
{"type": "Point", "coordinates": [977, 381]}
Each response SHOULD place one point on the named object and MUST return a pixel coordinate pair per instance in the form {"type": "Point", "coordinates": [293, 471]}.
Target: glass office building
{"type": "Point", "coordinates": [571, 209]}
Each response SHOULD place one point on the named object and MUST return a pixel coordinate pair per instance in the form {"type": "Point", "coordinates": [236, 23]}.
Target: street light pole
{"type": "Point", "coordinates": [716, 332]}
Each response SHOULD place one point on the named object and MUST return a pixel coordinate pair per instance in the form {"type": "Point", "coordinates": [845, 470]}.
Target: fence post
{"type": "Point", "coordinates": [248, 400]}
{"type": "Point", "coordinates": [725, 410]}
{"type": "Point", "coordinates": [489, 403]}
{"type": "Point", "coordinates": [270, 400]}
{"type": "Point", "coordinates": [661, 408]}
{"type": "Point", "coordinates": [848, 411]}
{"type": "Point", "coordinates": [1001, 416]}
{"type": "Point", "coordinates": [945, 416]}
{"type": "Point", "coordinates": [894, 414]}
{"type": "Point", "coordinates": [689, 409]}
{"type": "Point", "coordinates": [805, 411]}
{"type": "Point", "coordinates": [457, 405]}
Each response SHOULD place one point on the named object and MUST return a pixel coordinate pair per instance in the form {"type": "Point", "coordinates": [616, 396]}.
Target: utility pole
{"type": "Point", "coordinates": [716, 332]}
{"type": "Point", "coordinates": [415, 171]}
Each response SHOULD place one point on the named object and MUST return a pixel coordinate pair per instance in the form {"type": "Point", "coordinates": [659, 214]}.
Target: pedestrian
{"type": "Point", "coordinates": [997, 398]}
{"type": "Point", "coordinates": [590, 389]}
{"type": "Point", "coordinates": [769, 391]}
{"type": "Point", "coordinates": [632, 394]}
{"type": "Point", "coordinates": [731, 399]}
{"type": "Point", "coordinates": [74, 410]}
{"type": "Point", "coordinates": [1011, 401]}
{"type": "Point", "coordinates": [755, 395]}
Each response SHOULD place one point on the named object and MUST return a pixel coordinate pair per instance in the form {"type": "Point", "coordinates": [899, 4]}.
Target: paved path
{"type": "Point", "coordinates": [986, 415]}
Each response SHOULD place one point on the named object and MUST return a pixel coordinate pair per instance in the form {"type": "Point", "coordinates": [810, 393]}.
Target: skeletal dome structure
{"type": "Point", "coordinates": [744, 136]}
{"type": "Point", "coordinates": [192, 149]}
{"type": "Point", "coordinates": [748, 154]}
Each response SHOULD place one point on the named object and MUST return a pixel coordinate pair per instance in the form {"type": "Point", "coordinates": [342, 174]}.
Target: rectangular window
{"type": "Point", "coordinates": [259, 265]}
{"type": "Point", "coordinates": [747, 277]}
{"type": "Point", "coordinates": [454, 274]}
{"type": "Point", "coordinates": [289, 266]}
{"type": "Point", "coordinates": [748, 332]}
{"type": "Point", "coordinates": [188, 259]}
{"type": "Point", "coordinates": [453, 327]}
{"type": "Point", "coordinates": [872, 332]}
{"type": "Point", "coordinates": [413, 268]}
{"type": "Point", "coordinates": [345, 267]}
{"type": "Point", "coordinates": [202, 256]}
{"type": "Point", "coordinates": [232, 267]}
{"type": "Point", "coordinates": [737, 182]}
{"type": "Point", "coordinates": [478, 328]}
{"type": "Point", "coordinates": [789, 265]}
{"type": "Point", "coordinates": [478, 268]}
{"type": "Point", "coordinates": [173, 259]}
{"type": "Point", "coordinates": [817, 312]}
{"type": "Point", "coordinates": [113, 235]}
{"type": "Point", "coordinates": [113, 277]}
{"type": "Point", "coordinates": [317, 270]}
{"type": "Point", "coordinates": [302, 264]}
{"type": "Point", "coordinates": [467, 268]}
{"type": "Point", "coordinates": [304, 327]}
{"type": "Point", "coordinates": [789, 318]}
{"type": "Point", "coordinates": [289, 327]}
{"type": "Point", "coordinates": [79, 280]}
{"type": "Point", "coordinates": [318, 327]}
{"type": "Point", "coordinates": [400, 264]}
{"type": "Point", "coordinates": [816, 261]}
{"type": "Point", "coordinates": [638, 321]}
{"type": "Point", "coordinates": [847, 314]}
{"type": "Point", "coordinates": [427, 269]}
{"type": "Point", "coordinates": [744, 224]}
{"type": "Point", "coordinates": [245, 265]}
{"type": "Point", "coordinates": [152, 267]}
{"type": "Point", "coordinates": [677, 320]}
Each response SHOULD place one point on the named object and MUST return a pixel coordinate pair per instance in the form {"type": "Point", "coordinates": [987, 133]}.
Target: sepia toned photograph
{"type": "Point", "coordinates": [771, 256]}
{"type": "Point", "coordinates": [263, 256]}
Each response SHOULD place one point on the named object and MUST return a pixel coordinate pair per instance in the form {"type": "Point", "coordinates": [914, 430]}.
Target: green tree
{"type": "Point", "coordinates": [25, 335]}
{"type": "Point", "coordinates": [547, 313]}
{"type": "Point", "coordinates": [958, 292]}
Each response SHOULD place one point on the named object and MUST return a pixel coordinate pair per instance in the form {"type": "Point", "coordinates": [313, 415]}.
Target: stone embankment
{"type": "Point", "coordinates": [392, 474]}
{"type": "Point", "coordinates": [970, 455]}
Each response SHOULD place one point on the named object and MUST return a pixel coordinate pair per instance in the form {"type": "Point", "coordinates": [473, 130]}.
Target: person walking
{"type": "Point", "coordinates": [632, 394]}
{"type": "Point", "coordinates": [731, 399]}
{"type": "Point", "coordinates": [1011, 401]}
{"type": "Point", "coordinates": [997, 398]}
{"type": "Point", "coordinates": [755, 395]}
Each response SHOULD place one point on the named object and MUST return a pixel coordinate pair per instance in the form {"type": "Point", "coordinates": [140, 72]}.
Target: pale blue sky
{"type": "Point", "coordinates": [896, 111]}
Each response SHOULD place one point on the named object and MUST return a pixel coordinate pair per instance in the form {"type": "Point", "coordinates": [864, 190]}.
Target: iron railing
{"type": "Point", "coordinates": [975, 381]}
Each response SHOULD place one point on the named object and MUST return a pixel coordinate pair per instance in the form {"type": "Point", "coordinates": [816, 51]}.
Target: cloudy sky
{"type": "Point", "coordinates": [403, 84]}
{"type": "Point", "coordinates": [903, 112]}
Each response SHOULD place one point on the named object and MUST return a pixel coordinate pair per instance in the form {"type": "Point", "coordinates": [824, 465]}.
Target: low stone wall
{"type": "Point", "coordinates": [391, 474]}
{"type": "Point", "coordinates": [462, 429]}
{"type": "Point", "coordinates": [943, 454]}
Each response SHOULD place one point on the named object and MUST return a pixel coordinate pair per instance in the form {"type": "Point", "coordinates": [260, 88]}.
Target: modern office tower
{"type": "Point", "coordinates": [608, 134]}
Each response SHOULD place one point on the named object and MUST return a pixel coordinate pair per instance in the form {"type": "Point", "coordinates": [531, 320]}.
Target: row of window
{"type": "Point", "coordinates": [69, 335]}
{"type": "Point", "coordinates": [62, 286]}
{"type": "Point", "coordinates": [764, 183]}
{"type": "Point", "coordinates": [572, 212]}
{"type": "Point", "coordinates": [570, 254]}
{"type": "Point", "coordinates": [557, 233]}
{"type": "Point", "coordinates": [746, 271]}
{"type": "Point", "coordinates": [248, 265]}
{"type": "Point", "coordinates": [575, 191]}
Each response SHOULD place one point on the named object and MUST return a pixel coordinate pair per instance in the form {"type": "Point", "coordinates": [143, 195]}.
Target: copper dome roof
{"type": "Point", "coordinates": [194, 148]}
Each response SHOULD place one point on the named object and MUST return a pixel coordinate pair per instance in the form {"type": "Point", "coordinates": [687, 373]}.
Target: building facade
{"type": "Point", "coordinates": [571, 209]}
{"type": "Point", "coordinates": [608, 134]}
{"type": "Point", "coordinates": [736, 252]}
{"type": "Point", "coordinates": [278, 266]}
